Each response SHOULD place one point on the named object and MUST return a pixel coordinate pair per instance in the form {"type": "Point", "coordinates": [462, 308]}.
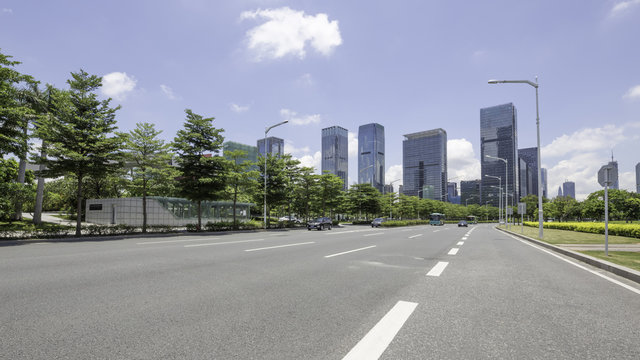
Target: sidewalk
{"type": "Point", "coordinates": [50, 218]}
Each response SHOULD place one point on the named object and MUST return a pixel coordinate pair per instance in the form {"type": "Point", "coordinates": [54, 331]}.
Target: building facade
{"type": "Point", "coordinates": [614, 164]}
{"type": "Point", "coordinates": [424, 164]}
{"type": "Point", "coordinates": [251, 151]}
{"type": "Point", "coordinates": [371, 155]}
{"type": "Point", "coordinates": [275, 146]}
{"type": "Point", "coordinates": [543, 173]}
{"type": "Point", "coordinates": [569, 189]}
{"type": "Point", "coordinates": [499, 138]}
{"type": "Point", "coordinates": [530, 156]}
{"type": "Point", "coordinates": [470, 192]}
{"type": "Point", "coordinates": [335, 152]}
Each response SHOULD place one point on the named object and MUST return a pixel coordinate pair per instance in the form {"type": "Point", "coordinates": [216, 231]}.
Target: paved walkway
{"type": "Point", "coordinates": [50, 218]}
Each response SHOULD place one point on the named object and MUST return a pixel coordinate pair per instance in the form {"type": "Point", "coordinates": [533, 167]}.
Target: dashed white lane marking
{"type": "Point", "coordinates": [407, 230]}
{"type": "Point", "coordinates": [372, 234]}
{"type": "Point", "coordinates": [350, 251]}
{"type": "Point", "coordinates": [438, 269]}
{"type": "Point", "coordinates": [176, 241]}
{"type": "Point", "coordinates": [435, 231]}
{"type": "Point", "coordinates": [224, 243]}
{"type": "Point", "coordinates": [281, 246]}
{"type": "Point", "coordinates": [580, 266]}
{"type": "Point", "coordinates": [380, 336]}
{"type": "Point", "coordinates": [453, 251]}
{"type": "Point", "coordinates": [415, 236]}
{"type": "Point", "coordinates": [351, 231]}
{"type": "Point", "coordinates": [464, 238]}
{"type": "Point", "coordinates": [460, 243]}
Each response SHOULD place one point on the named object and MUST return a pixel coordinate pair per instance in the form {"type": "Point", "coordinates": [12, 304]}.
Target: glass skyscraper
{"type": "Point", "coordinates": [424, 164]}
{"type": "Point", "coordinates": [499, 138]}
{"type": "Point", "coordinates": [275, 146]}
{"type": "Point", "coordinates": [569, 189]}
{"type": "Point", "coordinates": [371, 155]}
{"type": "Point", "coordinates": [616, 184]}
{"type": "Point", "coordinates": [470, 192]}
{"type": "Point", "coordinates": [251, 151]}
{"type": "Point", "coordinates": [335, 152]}
{"type": "Point", "coordinates": [530, 156]}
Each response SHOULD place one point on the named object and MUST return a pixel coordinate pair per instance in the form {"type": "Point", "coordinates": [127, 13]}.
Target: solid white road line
{"type": "Point", "coordinates": [460, 243]}
{"type": "Point", "coordinates": [453, 251]}
{"type": "Point", "coordinates": [348, 231]}
{"type": "Point", "coordinates": [224, 243]}
{"type": "Point", "coordinates": [176, 241]}
{"type": "Point", "coordinates": [414, 236]}
{"type": "Point", "coordinates": [372, 234]}
{"type": "Point", "coordinates": [580, 266]}
{"type": "Point", "coordinates": [380, 336]}
{"type": "Point", "coordinates": [350, 251]}
{"type": "Point", "coordinates": [438, 269]}
{"type": "Point", "coordinates": [281, 246]}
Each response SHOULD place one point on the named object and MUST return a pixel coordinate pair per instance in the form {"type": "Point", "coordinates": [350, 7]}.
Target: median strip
{"type": "Point", "coordinates": [281, 246]}
{"type": "Point", "coordinates": [350, 251]}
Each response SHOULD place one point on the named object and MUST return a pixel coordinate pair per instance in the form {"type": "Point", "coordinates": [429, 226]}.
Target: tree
{"type": "Point", "coordinates": [304, 188]}
{"type": "Point", "coordinates": [150, 160]}
{"type": "Point", "coordinates": [277, 182]}
{"type": "Point", "coordinates": [202, 169]}
{"type": "Point", "coordinates": [80, 135]}
{"type": "Point", "coordinates": [364, 198]}
{"type": "Point", "coordinates": [329, 194]}
{"type": "Point", "coordinates": [240, 177]}
{"type": "Point", "coordinates": [12, 192]}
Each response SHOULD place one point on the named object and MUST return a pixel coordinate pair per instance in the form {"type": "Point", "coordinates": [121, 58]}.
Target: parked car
{"type": "Point", "coordinates": [377, 222]}
{"type": "Point", "coordinates": [463, 223]}
{"type": "Point", "coordinates": [291, 219]}
{"type": "Point", "coordinates": [320, 223]}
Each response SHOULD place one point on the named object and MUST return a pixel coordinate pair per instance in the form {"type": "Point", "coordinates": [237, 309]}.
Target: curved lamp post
{"type": "Point", "coordinates": [500, 196]}
{"type": "Point", "coordinates": [506, 186]}
{"type": "Point", "coordinates": [265, 168]}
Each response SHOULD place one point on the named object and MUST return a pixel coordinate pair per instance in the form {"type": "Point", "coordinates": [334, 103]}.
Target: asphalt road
{"type": "Point", "coordinates": [352, 292]}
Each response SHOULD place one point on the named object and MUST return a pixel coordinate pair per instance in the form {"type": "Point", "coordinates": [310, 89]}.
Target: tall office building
{"type": "Point", "coordinates": [499, 138]}
{"type": "Point", "coordinates": [452, 193]}
{"type": "Point", "coordinates": [638, 178]}
{"type": "Point", "coordinates": [530, 156]}
{"type": "Point", "coordinates": [275, 146]}
{"type": "Point", "coordinates": [524, 178]}
{"type": "Point", "coordinates": [569, 189]}
{"type": "Point", "coordinates": [615, 185]}
{"type": "Point", "coordinates": [470, 192]}
{"type": "Point", "coordinates": [335, 152]}
{"type": "Point", "coordinates": [371, 155]}
{"type": "Point", "coordinates": [424, 164]}
{"type": "Point", "coordinates": [388, 189]}
{"type": "Point", "coordinates": [251, 151]}
{"type": "Point", "coordinates": [559, 191]}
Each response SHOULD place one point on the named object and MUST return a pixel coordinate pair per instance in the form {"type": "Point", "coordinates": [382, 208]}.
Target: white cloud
{"type": "Point", "coordinates": [289, 148]}
{"type": "Point", "coordinates": [353, 145]}
{"type": "Point", "coordinates": [118, 85]}
{"type": "Point", "coordinates": [296, 119]}
{"type": "Point", "coordinates": [623, 7]}
{"type": "Point", "coordinates": [585, 140]}
{"type": "Point", "coordinates": [287, 32]}
{"type": "Point", "coordinates": [394, 172]}
{"type": "Point", "coordinates": [7, 11]}
{"type": "Point", "coordinates": [305, 80]}
{"type": "Point", "coordinates": [462, 163]}
{"type": "Point", "coordinates": [168, 92]}
{"type": "Point", "coordinates": [239, 108]}
{"type": "Point", "coordinates": [633, 93]}
{"type": "Point", "coordinates": [312, 161]}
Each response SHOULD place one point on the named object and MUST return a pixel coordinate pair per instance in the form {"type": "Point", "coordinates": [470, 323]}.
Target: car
{"type": "Point", "coordinates": [320, 223]}
{"type": "Point", "coordinates": [463, 223]}
{"type": "Point", "coordinates": [377, 222]}
{"type": "Point", "coordinates": [291, 219]}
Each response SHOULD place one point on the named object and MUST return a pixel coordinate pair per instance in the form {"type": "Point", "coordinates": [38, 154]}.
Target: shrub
{"type": "Point", "coordinates": [628, 230]}
{"type": "Point", "coordinates": [394, 223]}
{"type": "Point", "coordinates": [160, 228]}
{"type": "Point", "coordinates": [192, 227]}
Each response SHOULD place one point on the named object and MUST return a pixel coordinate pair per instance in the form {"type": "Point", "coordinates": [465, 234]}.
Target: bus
{"type": "Point", "coordinates": [436, 219]}
{"type": "Point", "coordinates": [472, 219]}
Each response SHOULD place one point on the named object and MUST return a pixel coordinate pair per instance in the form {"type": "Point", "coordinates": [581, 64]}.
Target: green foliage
{"type": "Point", "coordinates": [363, 199]}
{"type": "Point", "coordinates": [396, 223]}
{"type": "Point", "coordinates": [12, 192]}
{"type": "Point", "coordinates": [328, 194]}
{"type": "Point", "coordinates": [279, 181]}
{"type": "Point", "coordinates": [241, 179]}
{"type": "Point", "coordinates": [628, 230]}
{"type": "Point", "coordinates": [230, 225]}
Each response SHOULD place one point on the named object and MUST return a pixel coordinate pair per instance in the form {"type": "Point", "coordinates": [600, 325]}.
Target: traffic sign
{"type": "Point", "coordinates": [606, 175]}
{"type": "Point", "coordinates": [522, 208]}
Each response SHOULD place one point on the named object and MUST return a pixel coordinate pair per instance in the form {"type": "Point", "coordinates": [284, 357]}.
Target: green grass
{"type": "Point", "coordinates": [556, 237]}
{"type": "Point", "coordinates": [625, 258]}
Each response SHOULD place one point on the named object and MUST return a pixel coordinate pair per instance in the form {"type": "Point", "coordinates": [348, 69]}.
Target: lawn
{"type": "Point", "coordinates": [625, 258]}
{"type": "Point", "coordinates": [555, 237]}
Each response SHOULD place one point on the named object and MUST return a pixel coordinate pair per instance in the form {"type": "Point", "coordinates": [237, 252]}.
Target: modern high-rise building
{"type": "Point", "coordinates": [335, 152]}
{"type": "Point", "coordinates": [616, 184]}
{"type": "Point", "coordinates": [424, 164]}
{"type": "Point", "coordinates": [524, 178]}
{"type": "Point", "coordinates": [470, 192]}
{"type": "Point", "coordinates": [530, 156]}
{"type": "Point", "coordinates": [499, 138]}
{"type": "Point", "coordinates": [275, 146]}
{"type": "Point", "coordinates": [388, 189]}
{"type": "Point", "coordinates": [559, 191]}
{"type": "Point", "coordinates": [371, 155]}
{"type": "Point", "coordinates": [569, 189]}
{"type": "Point", "coordinates": [543, 173]}
{"type": "Point", "coordinates": [638, 178]}
{"type": "Point", "coordinates": [251, 151]}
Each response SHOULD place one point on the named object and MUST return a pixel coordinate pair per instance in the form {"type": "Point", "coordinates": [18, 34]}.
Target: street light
{"type": "Point", "coordinates": [466, 201]}
{"type": "Point", "coordinates": [506, 186]}
{"type": "Point", "coordinates": [535, 85]}
{"type": "Point", "coordinates": [265, 168]}
{"type": "Point", "coordinates": [500, 197]}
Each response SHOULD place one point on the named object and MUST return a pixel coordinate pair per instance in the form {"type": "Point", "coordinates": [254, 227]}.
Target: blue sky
{"type": "Point", "coordinates": [408, 65]}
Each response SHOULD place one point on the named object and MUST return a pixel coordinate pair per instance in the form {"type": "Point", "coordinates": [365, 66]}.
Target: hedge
{"type": "Point", "coordinates": [394, 223]}
{"type": "Point", "coordinates": [628, 230]}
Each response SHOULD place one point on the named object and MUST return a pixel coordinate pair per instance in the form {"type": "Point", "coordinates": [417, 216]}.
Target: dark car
{"type": "Point", "coordinates": [463, 223]}
{"type": "Point", "coordinates": [377, 222]}
{"type": "Point", "coordinates": [320, 223]}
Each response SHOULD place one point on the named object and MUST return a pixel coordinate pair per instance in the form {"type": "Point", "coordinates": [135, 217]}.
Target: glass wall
{"type": "Point", "coordinates": [371, 155]}
{"type": "Point", "coordinates": [335, 152]}
{"type": "Point", "coordinates": [424, 163]}
{"type": "Point", "coordinates": [274, 145]}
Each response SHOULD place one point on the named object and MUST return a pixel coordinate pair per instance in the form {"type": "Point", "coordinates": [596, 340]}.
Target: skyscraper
{"type": "Point", "coordinates": [569, 189]}
{"type": "Point", "coordinates": [452, 193]}
{"type": "Point", "coordinates": [543, 173]}
{"type": "Point", "coordinates": [275, 146]}
{"type": "Point", "coordinates": [335, 152]}
{"type": "Point", "coordinates": [251, 151]}
{"type": "Point", "coordinates": [371, 155]}
{"type": "Point", "coordinates": [616, 184]}
{"type": "Point", "coordinates": [559, 191]}
{"type": "Point", "coordinates": [530, 156]}
{"type": "Point", "coordinates": [470, 192]}
{"type": "Point", "coordinates": [499, 138]}
{"type": "Point", "coordinates": [524, 178]}
{"type": "Point", "coordinates": [638, 178]}
{"type": "Point", "coordinates": [424, 164]}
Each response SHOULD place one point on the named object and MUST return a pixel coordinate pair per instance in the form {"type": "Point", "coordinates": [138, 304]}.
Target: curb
{"type": "Point", "coordinates": [619, 270]}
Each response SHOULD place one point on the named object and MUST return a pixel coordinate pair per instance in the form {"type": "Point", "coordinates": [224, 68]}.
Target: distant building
{"type": "Point", "coordinates": [400, 189]}
{"type": "Point", "coordinates": [498, 138]}
{"type": "Point", "coordinates": [424, 164]}
{"type": "Point", "coordinates": [452, 193]}
{"type": "Point", "coordinates": [335, 153]}
{"type": "Point", "coordinates": [251, 151]}
{"type": "Point", "coordinates": [371, 155]}
{"type": "Point", "coordinates": [470, 192]}
{"type": "Point", "coordinates": [388, 189]}
{"type": "Point", "coordinates": [525, 178]}
{"type": "Point", "coordinates": [275, 146]}
{"type": "Point", "coordinates": [569, 189]}
{"type": "Point", "coordinates": [616, 184]}
{"type": "Point", "coordinates": [543, 173]}
{"type": "Point", "coordinates": [559, 191]}
{"type": "Point", "coordinates": [530, 156]}
{"type": "Point", "coordinates": [638, 178]}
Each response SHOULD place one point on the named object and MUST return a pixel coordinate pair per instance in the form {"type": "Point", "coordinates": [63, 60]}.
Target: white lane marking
{"type": "Point", "coordinates": [176, 241]}
{"type": "Point", "coordinates": [438, 269]}
{"type": "Point", "coordinates": [373, 234]}
{"type": "Point", "coordinates": [414, 236]}
{"type": "Point", "coordinates": [380, 336]}
{"type": "Point", "coordinates": [351, 231]}
{"type": "Point", "coordinates": [453, 251]}
{"type": "Point", "coordinates": [350, 251]}
{"type": "Point", "coordinates": [580, 266]}
{"type": "Point", "coordinates": [223, 243]}
{"type": "Point", "coordinates": [281, 246]}
{"type": "Point", "coordinates": [464, 238]}
{"type": "Point", "coordinates": [435, 231]}
{"type": "Point", "coordinates": [460, 243]}
{"type": "Point", "coordinates": [407, 230]}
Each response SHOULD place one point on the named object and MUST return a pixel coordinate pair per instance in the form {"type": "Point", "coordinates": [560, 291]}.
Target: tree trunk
{"type": "Point", "coordinates": [79, 207]}
{"type": "Point", "coordinates": [144, 205]}
{"type": "Point", "coordinates": [37, 211]}
{"type": "Point", "coordinates": [235, 199]}
{"type": "Point", "coordinates": [199, 215]}
{"type": "Point", "coordinates": [22, 168]}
